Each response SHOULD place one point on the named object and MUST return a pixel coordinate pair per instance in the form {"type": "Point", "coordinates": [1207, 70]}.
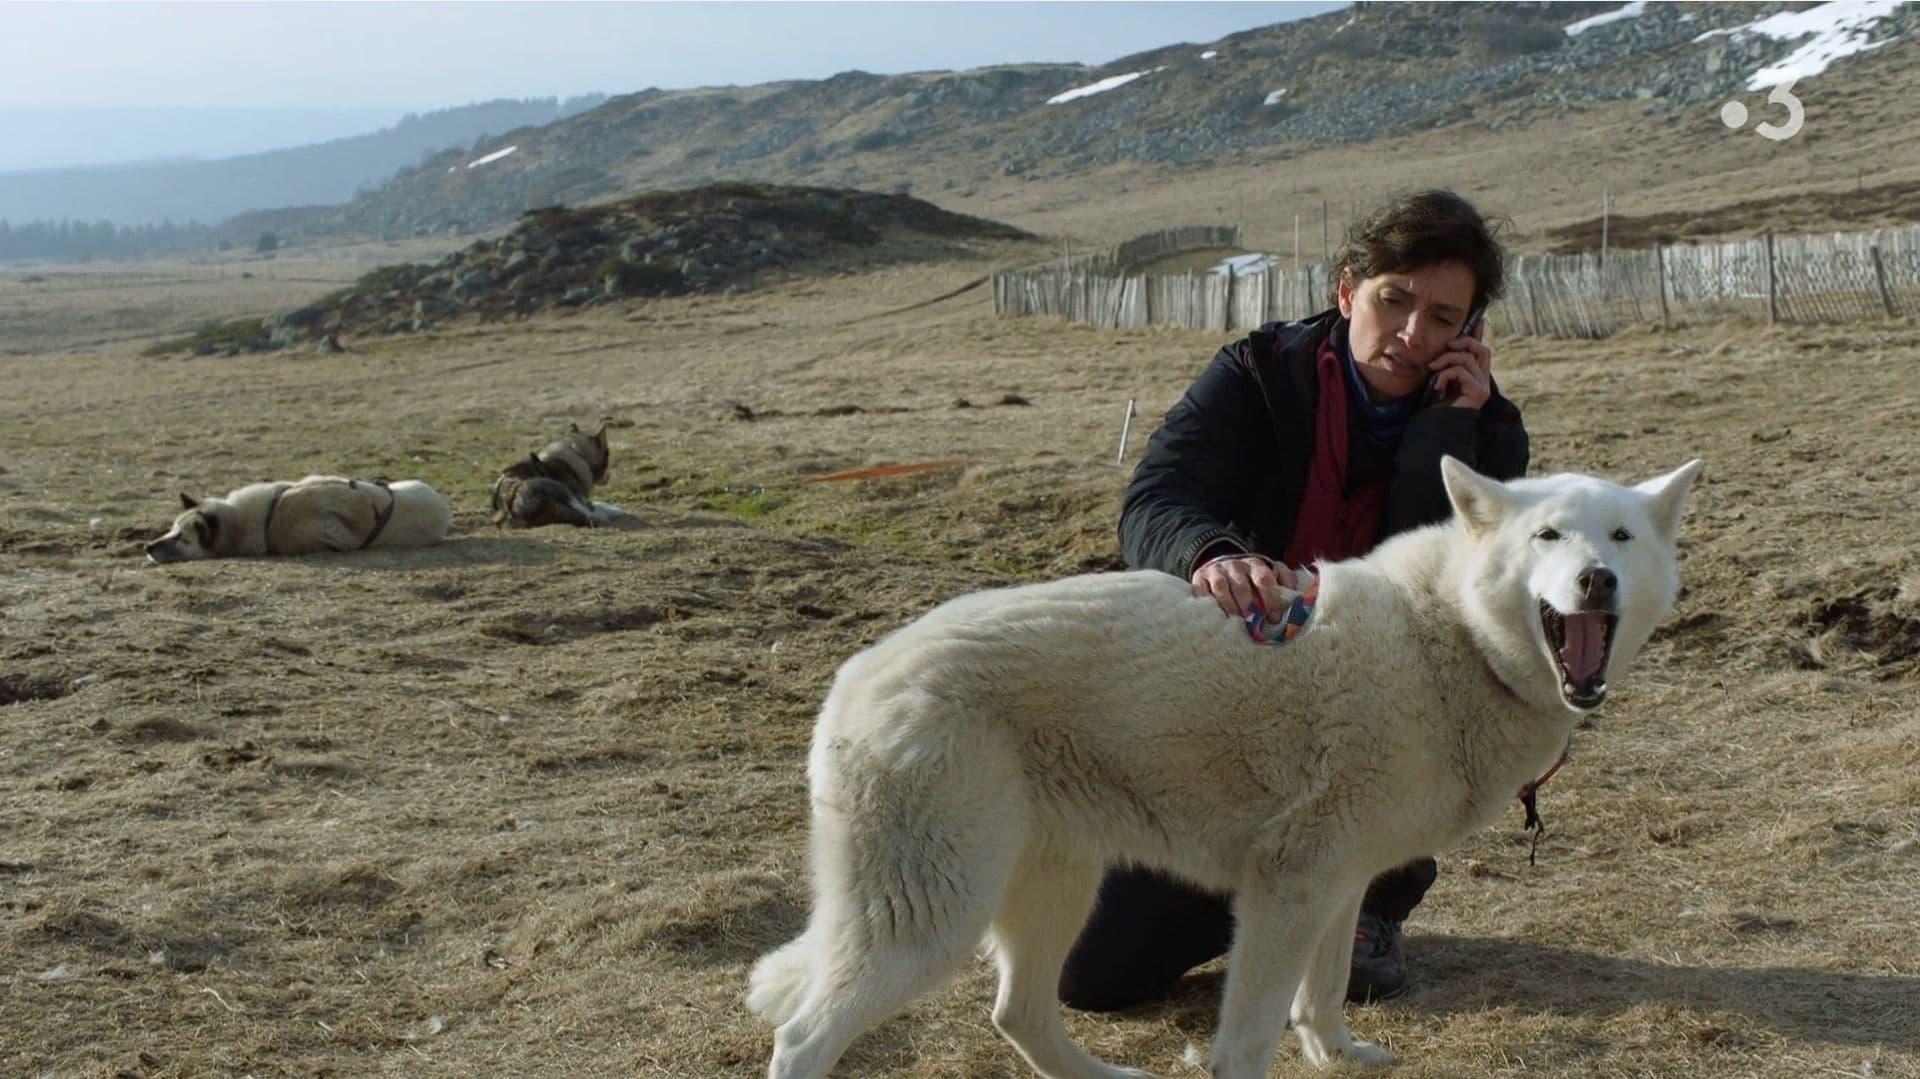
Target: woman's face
{"type": "Point", "coordinates": [1398, 323]}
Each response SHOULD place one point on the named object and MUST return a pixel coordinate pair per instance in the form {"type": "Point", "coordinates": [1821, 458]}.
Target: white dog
{"type": "Point", "coordinates": [319, 513]}
{"type": "Point", "coordinates": [974, 772]}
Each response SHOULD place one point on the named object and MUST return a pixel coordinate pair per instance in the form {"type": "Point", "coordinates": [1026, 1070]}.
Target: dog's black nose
{"type": "Point", "coordinates": [1597, 584]}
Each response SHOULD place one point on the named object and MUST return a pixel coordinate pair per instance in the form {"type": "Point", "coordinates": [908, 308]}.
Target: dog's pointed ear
{"type": "Point", "coordinates": [601, 432]}
{"type": "Point", "coordinates": [1479, 502]}
{"type": "Point", "coordinates": [1668, 496]}
{"type": "Point", "coordinates": [188, 500]}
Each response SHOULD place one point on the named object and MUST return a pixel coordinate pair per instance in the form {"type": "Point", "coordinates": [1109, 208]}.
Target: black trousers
{"type": "Point", "coordinates": [1148, 929]}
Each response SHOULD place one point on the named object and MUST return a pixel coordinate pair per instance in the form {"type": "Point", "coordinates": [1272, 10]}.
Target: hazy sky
{"type": "Point", "coordinates": [422, 56]}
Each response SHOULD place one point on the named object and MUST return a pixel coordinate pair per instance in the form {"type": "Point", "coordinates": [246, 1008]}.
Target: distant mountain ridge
{"type": "Point", "coordinates": [1370, 72]}
{"type": "Point", "coordinates": [1354, 75]}
{"type": "Point", "coordinates": [44, 138]}
{"type": "Point", "coordinates": [323, 173]}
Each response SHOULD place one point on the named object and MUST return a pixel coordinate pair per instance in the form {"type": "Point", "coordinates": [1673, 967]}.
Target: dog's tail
{"type": "Point", "coordinates": [781, 978]}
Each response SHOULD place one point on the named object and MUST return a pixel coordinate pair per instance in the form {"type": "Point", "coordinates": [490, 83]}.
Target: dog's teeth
{"type": "Point", "coordinates": [1568, 689]}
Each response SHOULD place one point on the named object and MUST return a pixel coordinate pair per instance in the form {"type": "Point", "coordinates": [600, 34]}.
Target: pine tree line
{"type": "Point", "coordinates": [79, 241]}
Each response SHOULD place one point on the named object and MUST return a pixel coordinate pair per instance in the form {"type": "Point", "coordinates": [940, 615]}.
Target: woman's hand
{"type": "Point", "coordinates": [1464, 371]}
{"type": "Point", "coordinates": [1242, 583]}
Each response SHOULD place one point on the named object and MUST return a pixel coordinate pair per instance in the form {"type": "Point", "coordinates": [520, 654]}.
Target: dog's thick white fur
{"type": "Point", "coordinates": [973, 772]}
{"type": "Point", "coordinates": [319, 513]}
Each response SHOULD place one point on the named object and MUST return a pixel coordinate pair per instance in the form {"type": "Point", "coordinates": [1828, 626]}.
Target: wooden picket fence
{"type": "Point", "coordinates": [1832, 277]}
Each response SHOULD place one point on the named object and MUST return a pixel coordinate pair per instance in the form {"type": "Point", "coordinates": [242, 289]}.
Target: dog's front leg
{"type": "Point", "coordinates": [1274, 934]}
{"type": "Point", "coordinates": [1319, 1008]}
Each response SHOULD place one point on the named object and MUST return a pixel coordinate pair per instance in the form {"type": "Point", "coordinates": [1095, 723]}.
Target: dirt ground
{"type": "Point", "coordinates": [532, 803]}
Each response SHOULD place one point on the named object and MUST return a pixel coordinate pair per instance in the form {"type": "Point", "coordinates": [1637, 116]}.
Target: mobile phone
{"type": "Point", "coordinates": [1472, 320]}
{"type": "Point", "coordinates": [1467, 326]}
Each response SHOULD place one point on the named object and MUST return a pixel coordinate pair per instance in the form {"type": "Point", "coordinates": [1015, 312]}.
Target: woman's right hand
{"type": "Point", "coordinates": [1236, 581]}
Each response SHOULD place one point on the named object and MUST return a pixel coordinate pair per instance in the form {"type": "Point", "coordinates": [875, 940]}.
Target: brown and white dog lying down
{"type": "Point", "coordinates": [319, 513]}
{"type": "Point", "coordinates": [553, 484]}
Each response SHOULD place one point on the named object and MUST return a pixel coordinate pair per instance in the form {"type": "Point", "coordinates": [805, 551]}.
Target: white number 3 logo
{"type": "Point", "coordinates": [1796, 115]}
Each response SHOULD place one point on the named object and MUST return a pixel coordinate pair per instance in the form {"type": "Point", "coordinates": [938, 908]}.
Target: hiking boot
{"type": "Point", "coordinates": [1379, 966]}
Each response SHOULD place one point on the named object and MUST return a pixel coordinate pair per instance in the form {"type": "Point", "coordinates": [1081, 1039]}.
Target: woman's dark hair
{"type": "Point", "coordinates": [1419, 230]}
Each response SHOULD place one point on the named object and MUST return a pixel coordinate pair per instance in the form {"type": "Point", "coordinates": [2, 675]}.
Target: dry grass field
{"type": "Point", "coordinates": [98, 305]}
{"type": "Point", "coordinates": [531, 803]}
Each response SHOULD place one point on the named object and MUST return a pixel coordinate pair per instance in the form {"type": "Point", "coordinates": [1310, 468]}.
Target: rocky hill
{"type": "Point", "coordinates": [711, 239]}
{"type": "Point", "coordinates": [1354, 75]}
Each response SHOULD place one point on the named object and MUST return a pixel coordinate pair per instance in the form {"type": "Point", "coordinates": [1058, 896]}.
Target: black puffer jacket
{"type": "Point", "coordinates": [1227, 469]}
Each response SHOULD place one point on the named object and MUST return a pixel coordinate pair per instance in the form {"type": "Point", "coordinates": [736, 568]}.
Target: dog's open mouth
{"type": "Point", "coordinates": [1580, 644]}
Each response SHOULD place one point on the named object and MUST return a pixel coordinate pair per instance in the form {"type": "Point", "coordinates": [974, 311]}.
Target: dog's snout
{"type": "Point", "coordinates": [1597, 584]}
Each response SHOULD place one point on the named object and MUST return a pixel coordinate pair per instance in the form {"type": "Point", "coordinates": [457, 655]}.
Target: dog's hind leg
{"type": "Point", "coordinates": [608, 515]}
{"type": "Point", "coordinates": [1045, 906]}
{"type": "Point", "coordinates": [1277, 927]}
{"type": "Point", "coordinates": [562, 506]}
{"type": "Point", "coordinates": [1319, 1008]}
{"type": "Point", "coordinates": [579, 512]}
{"type": "Point", "coordinates": [895, 912]}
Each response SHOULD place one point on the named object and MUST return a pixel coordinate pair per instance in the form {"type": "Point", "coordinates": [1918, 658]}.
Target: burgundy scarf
{"type": "Point", "coordinates": [1333, 522]}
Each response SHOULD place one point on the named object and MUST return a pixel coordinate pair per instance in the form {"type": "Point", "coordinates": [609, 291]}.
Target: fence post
{"type": "Point", "coordinates": [1880, 275]}
{"type": "Point", "coordinates": [1606, 206]}
{"type": "Point", "coordinates": [1660, 263]}
{"type": "Point", "coordinates": [1773, 293]}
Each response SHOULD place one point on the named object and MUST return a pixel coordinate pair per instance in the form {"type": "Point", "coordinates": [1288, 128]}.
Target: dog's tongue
{"type": "Point", "coordinates": [1586, 647]}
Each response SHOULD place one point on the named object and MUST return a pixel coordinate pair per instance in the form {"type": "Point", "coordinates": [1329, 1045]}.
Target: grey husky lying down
{"type": "Point", "coordinates": [552, 485]}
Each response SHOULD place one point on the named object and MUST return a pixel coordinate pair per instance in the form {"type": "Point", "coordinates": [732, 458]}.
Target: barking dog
{"type": "Point", "coordinates": [553, 485]}
{"type": "Point", "coordinates": [974, 772]}
{"type": "Point", "coordinates": [319, 513]}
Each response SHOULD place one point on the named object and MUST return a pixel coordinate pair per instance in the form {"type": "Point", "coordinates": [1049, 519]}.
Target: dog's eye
{"type": "Point", "coordinates": [1621, 535]}
{"type": "Point", "coordinates": [1547, 534]}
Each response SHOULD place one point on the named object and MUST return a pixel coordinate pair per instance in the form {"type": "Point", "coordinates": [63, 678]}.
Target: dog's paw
{"type": "Point", "coordinates": [1368, 1055]}
{"type": "Point", "coordinates": [1323, 1054]}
